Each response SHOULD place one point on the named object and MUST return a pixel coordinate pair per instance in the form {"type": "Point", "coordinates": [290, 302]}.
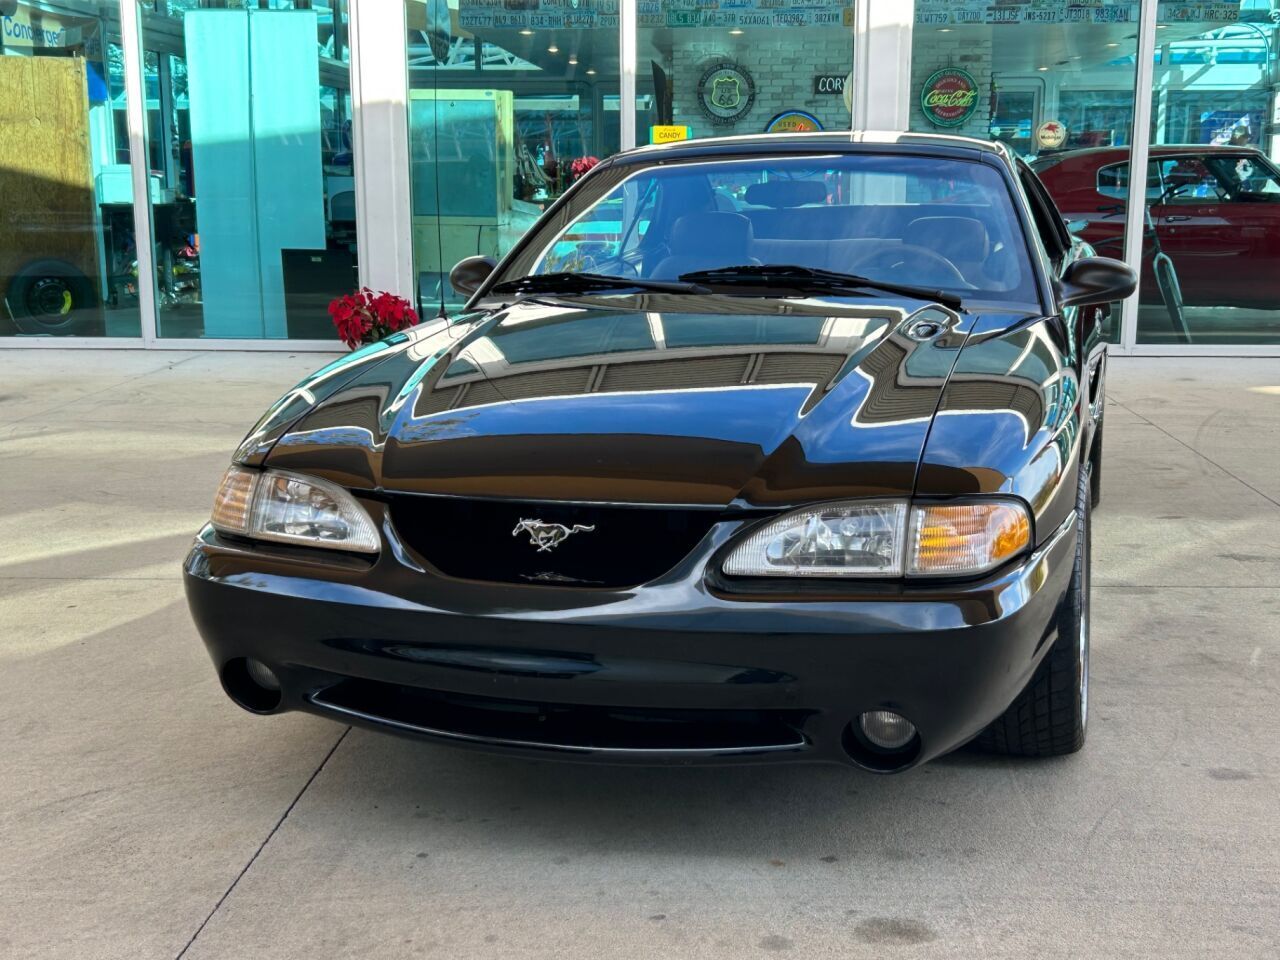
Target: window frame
{"type": "Point", "coordinates": [1046, 216]}
{"type": "Point", "coordinates": [1153, 167]}
{"type": "Point", "coordinates": [1168, 199]}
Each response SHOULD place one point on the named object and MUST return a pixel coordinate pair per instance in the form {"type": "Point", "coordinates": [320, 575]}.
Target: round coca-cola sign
{"type": "Point", "coordinates": [949, 97]}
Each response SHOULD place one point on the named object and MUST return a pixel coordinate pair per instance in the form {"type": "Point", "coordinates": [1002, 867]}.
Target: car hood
{"type": "Point", "coordinates": [653, 399]}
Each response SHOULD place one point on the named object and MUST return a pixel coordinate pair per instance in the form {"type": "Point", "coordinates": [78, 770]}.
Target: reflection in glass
{"type": "Point", "coordinates": [249, 136]}
{"type": "Point", "coordinates": [1048, 80]}
{"type": "Point", "coordinates": [726, 69]}
{"type": "Point", "coordinates": [67, 254]}
{"type": "Point", "coordinates": [1214, 234]}
{"type": "Point", "coordinates": [508, 105]}
{"type": "Point", "coordinates": [939, 222]}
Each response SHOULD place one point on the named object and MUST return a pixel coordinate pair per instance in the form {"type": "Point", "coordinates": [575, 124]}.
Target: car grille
{"type": "Point", "coordinates": [480, 540]}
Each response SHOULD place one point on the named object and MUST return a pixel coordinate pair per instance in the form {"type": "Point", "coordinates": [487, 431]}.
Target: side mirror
{"type": "Point", "coordinates": [1094, 280]}
{"type": "Point", "coordinates": [467, 275]}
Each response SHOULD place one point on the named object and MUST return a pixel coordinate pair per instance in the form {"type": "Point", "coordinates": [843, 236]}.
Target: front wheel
{"type": "Point", "coordinates": [1050, 716]}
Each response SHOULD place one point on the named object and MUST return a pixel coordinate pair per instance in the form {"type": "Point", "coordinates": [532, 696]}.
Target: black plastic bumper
{"type": "Point", "coordinates": [673, 671]}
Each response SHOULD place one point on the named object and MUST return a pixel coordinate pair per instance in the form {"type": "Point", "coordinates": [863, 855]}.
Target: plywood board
{"type": "Point", "coordinates": [46, 177]}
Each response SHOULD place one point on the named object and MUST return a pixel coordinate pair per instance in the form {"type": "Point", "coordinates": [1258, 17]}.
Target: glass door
{"type": "Point", "coordinates": [509, 104]}
{"type": "Point", "coordinates": [253, 196]}
{"type": "Point", "coordinates": [1015, 115]}
{"type": "Point", "coordinates": [1209, 272]}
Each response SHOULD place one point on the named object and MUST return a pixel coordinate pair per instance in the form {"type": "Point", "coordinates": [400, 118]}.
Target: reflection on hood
{"type": "Point", "coordinates": [766, 402]}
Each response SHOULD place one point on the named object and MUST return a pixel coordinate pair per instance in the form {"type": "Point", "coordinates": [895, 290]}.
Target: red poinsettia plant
{"type": "Point", "coordinates": [366, 317]}
{"type": "Point", "coordinates": [581, 166]}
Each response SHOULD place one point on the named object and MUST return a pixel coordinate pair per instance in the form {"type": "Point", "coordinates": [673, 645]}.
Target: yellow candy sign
{"type": "Point", "coordinates": [668, 133]}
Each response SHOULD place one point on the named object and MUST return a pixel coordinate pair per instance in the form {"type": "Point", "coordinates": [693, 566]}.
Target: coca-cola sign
{"type": "Point", "coordinates": [949, 97]}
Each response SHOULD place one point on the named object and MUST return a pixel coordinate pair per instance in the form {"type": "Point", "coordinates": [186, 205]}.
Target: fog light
{"type": "Point", "coordinates": [885, 729]}
{"type": "Point", "coordinates": [262, 675]}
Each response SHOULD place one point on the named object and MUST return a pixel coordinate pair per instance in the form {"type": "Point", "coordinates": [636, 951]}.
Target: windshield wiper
{"type": "Point", "coordinates": [572, 283]}
{"type": "Point", "coordinates": [813, 279]}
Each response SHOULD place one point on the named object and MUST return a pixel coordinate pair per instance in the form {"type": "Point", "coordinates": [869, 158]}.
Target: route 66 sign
{"type": "Point", "coordinates": [726, 92]}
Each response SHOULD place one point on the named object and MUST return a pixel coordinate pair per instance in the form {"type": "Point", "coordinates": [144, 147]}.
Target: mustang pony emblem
{"type": "Point", "coordinates": [544, 536]}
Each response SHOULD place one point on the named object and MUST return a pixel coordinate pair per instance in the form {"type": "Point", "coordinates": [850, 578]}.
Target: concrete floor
{"type": "Point", "coordinates": [142, 815]}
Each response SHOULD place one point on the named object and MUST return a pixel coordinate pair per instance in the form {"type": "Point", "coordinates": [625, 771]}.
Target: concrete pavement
{"type": "Point", "coordinates": [144, 816]}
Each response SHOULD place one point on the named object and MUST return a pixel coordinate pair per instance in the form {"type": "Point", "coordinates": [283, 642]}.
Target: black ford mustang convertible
{"type": "Point", "coordinates": [752, 449]}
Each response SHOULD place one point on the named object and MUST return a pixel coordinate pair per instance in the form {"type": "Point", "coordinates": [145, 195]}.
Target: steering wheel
{"type": "Point", "coordinates": [923, 264]}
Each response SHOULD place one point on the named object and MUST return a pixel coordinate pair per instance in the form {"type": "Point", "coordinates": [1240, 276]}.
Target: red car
{"type": "Point", "coordinates": [1214, 214]}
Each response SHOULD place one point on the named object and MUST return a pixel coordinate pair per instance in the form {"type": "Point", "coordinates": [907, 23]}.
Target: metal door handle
{"type": "Point", "coordinates": [1176, 218]}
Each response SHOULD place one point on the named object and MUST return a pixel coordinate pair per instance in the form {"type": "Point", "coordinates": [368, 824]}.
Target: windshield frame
{"type": "Point", "coordinates": [607, 176]}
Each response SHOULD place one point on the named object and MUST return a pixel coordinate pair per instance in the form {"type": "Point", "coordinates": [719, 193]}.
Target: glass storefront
{"type": "Point", "coordinates": [712, 70]}
{"type": "Point", "coordinates": [1212, 181]}
{"type": "Point", "coordinates": [508, 103]}
{"type": "Point", "coordinates": [67, 254]}
{"type": "Point", "coordinates": [1055, 82]}
{"type": "Point", "coordinates": [253, 197]}
{"type": "Point", "coordinates": [1046, 79]}
{"type": "Point", "coordinates": [248, 131]}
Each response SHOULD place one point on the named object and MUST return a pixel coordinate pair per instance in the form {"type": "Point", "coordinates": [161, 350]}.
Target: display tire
{"type": "Point", "coordinates": [1050, 716]}
{"type": "Point", "coordinates": [53, 297]}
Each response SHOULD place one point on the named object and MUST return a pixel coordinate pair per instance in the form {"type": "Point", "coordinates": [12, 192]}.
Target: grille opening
{"type": "Point", "coordinates": [475, 540]}
{"type": "Point", "coordinates": [565, 725]}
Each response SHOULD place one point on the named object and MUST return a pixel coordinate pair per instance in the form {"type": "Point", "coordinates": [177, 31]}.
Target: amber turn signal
{"type": "Point", "coordinates": [234, 501]}
{"type": "Point", "coordinates": [966, 538]}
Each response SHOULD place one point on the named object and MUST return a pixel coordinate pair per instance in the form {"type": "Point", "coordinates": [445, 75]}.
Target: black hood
{"type": "Point", "coordinates": [658, 399]}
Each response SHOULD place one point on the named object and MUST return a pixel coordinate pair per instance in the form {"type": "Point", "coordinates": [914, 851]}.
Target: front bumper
{"type": "Point", "coordinates": [674, 671]}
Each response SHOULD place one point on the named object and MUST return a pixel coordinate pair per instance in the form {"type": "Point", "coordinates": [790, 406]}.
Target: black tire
{"type": "Point", "coordinates": [53, 297]}
{"type": "Point", "coordinates": [1095, 469]}
{"type": "Point", "coordinates": [1050, 716]}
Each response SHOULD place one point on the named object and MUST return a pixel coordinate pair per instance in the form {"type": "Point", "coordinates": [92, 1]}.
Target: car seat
{"type": "Point", "coordinates": [704, 241]}
{"type": "Point", "coordinates": [961, 240]}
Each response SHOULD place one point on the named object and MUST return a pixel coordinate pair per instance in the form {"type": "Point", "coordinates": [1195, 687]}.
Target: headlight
{"type": "Point", "coordinates": [833, 540]}
{"type": "Point", "coordinates": [291, 508]}
{"type": "Point", "coordinates": [885, 539]}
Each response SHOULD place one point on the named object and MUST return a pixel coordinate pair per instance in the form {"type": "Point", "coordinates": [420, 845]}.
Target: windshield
{"type": "Point", "coordinates": [1246, 177]}
{"type": "Point", "coordinates": [940, 223]}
